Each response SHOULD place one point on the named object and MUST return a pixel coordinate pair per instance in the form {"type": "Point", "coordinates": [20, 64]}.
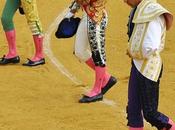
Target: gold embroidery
{"type": "Point", "coordinates": [94, 8]}
{"type": "Point", "coordinates": [146, 12]}
{"type": "Point", "coordinates": [136, 41]}
{"type": "Point", "coordinates": [141, 45]}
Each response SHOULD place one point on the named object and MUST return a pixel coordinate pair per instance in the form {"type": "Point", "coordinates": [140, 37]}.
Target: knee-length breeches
{"type": "Point", "coordinates": [143, 97]}
{"type": "Point", "coordinates": [31, 13]}
{"type": "Point", "coordinates": [90, 40]}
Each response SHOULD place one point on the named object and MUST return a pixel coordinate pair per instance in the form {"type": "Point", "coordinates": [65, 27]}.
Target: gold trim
{"type": "Point", "coordinates": [143, 36]}
{"type": "Point", "coordinates": [141, 17]}
{"type": "Point", "coordinates": [132, 35]}
{"type": "Point", "coordinates": [159, 69]}
{"type": "Point", "coordinates": [143, 65]}
{"type": "Point", "coordinates": [139, 7]}
{"type": "Point", "coordinates": [131, 38]}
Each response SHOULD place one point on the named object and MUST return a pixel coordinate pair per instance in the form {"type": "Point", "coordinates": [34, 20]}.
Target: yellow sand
{"type": "Point", "coordinates": [42, 98]}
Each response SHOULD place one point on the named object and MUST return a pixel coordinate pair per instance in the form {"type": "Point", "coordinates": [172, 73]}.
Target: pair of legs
{"type": "Point", "coordinates": [143, 98]}
{"type": "Point", "coordinates": [30, 10]}
{"type": "Point", "coordinates": [90, 48]}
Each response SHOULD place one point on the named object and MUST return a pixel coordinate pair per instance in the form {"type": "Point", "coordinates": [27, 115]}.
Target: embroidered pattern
{"type": "Point", "coordinates": [137, 40]}
{"type": "Point", "coordinates": [94, 8]}
{"type": "Point", "coordinates": [97, 40]}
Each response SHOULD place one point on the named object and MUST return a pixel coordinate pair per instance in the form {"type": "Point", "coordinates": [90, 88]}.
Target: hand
{"type": "Point", "coordinates": [69, 15]}
{"type": "Point", "coordinates": [128, 53]}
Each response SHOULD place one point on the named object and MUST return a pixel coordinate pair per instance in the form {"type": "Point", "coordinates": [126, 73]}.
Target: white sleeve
{"type": "Point", "coordinates": [153, 36]}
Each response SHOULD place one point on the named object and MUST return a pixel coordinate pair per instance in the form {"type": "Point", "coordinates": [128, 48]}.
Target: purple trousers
{"type": "Point", "coordinates": [143, 98]}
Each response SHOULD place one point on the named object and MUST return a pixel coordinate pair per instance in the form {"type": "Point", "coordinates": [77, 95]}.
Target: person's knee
{"type": "Point", "coordinates": [6, 21]}
{"type": "Point", "coordinates": [79, 55]}
{"type": "Point", "coordinates": [82, 55]}
{"type": "Point", "coordinates": [35, 27]}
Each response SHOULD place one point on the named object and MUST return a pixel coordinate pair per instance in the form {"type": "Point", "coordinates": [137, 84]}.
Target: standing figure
{"type": "Point", "coordinates": [30, 10]}
{"type": "Point", "coordinates": [147, 26]}
{"type": "Point", "coordinates": [90, 45]}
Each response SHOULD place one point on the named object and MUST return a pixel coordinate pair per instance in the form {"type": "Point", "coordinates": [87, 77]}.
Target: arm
{"type": "Point", "coordinates": [152, 40]}
{"type": "Point", "coordinates": [73, 9]}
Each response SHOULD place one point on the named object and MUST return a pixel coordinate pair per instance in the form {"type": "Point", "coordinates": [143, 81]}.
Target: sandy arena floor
{"type": "Point", "coordinates": [43, 98]}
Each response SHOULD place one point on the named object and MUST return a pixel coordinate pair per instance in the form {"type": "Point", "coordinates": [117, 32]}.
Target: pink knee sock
{"type": "Point", "coordinates": [106, 78]}
{"type": "Point", "coordinates": [11, 39]}
{"type": "Point", "coordinates": [99, 76]}
{"type": "Point", "coordinates": [172, 123]}
{"type": "Point", "coordinates": [38, 41]}
{"type": "Point", "coordinates": [132, 128]}
{"type": "Point", "coordinates": [91, 64]}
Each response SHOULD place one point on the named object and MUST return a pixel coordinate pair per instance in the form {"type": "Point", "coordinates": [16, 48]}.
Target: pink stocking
{"type": "Point", "coordinates": [38, 40]}
{"type": "Point", "coordinates": [172, 123]}
{"type": "Point", "coordinates": [132, 128]}
{"type": "Point", "coordinates": [91, 64]}
{"type": "Point", "coordinates": [99, 77]}
{"type": "Point", "coordinates": [11, 39]}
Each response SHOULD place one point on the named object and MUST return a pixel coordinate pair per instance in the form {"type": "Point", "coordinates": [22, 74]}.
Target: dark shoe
{"type": "Point", "coordinates": [86, 99]}
{"type": "Point", "coordinates": [110, 83]}
{"type": "Point", "coordinates": [34, 63]}
{"type": "Point", "coordinates": [14, 60]}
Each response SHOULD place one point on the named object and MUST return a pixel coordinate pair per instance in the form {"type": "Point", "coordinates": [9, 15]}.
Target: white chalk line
{"type": "Point", "coordinates": [56, 62]}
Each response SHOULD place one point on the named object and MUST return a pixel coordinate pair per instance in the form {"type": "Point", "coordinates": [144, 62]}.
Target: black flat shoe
{"type": "Point", "coordinates": [110, 83]}
{"type": "Point", "coordinates": [86, 99]}
{"type": "Point", "coordinates": [34, 63]}
{"type": "Point", "coordinates": [14, 60]}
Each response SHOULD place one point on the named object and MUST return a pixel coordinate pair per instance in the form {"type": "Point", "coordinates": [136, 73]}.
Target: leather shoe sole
{"type": "Point", "coordinates": [34, 63]}
{"type": "Point", "coordinates": [87, 99]}
{"type": "Point", "coordinates": [14, 60]}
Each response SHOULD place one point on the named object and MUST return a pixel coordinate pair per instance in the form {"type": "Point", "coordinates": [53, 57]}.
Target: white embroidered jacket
{"type": "Point", "coordinates": [148, 37]}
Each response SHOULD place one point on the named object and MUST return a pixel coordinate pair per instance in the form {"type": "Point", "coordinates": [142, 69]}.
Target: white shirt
{"type": "Point", "coordinates": [153, 37]}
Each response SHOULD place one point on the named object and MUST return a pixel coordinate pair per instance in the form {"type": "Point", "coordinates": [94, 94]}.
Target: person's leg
{"type": "Point", "coordinates": [31, 13]}
{"type": "Point", "coordinates": [96, 35]}
{"type": "Point", "coordinates": [108, 80]}
{"type": "Point", "coordinates": [171, 123]}
{"type": "Point", "coordinates": [82, 51]}
{"type": "Point", "coordinates": [38, 41]}
{"type": "Point", "coordinates": [149, 91]}
{"type": "Point", "coordinates": [96, 40]}
{"type": "Point", "coordinates": [81, 47]}
{"type": "Point", "coordinates": [134, 109]}
{"type": "Point", "coordinates": [7, 21]}
{"type": "Point", "coordinates": [133, 128]}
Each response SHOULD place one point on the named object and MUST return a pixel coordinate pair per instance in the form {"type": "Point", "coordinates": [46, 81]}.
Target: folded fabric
{"type": "Point", "coordinates": [67, 27]}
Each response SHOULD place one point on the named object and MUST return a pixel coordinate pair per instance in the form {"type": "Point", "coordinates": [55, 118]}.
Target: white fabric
{"type": "Point", "coordinates": [82, 45]}
{"type": "Point", "coordinates": [82, 48]}
{"type": "Point", "coordinates": [153, 44]}
{"type": "Point", "coordinates": [69, 15]}
{"type": "Point", "coordinates": [152, 40]}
